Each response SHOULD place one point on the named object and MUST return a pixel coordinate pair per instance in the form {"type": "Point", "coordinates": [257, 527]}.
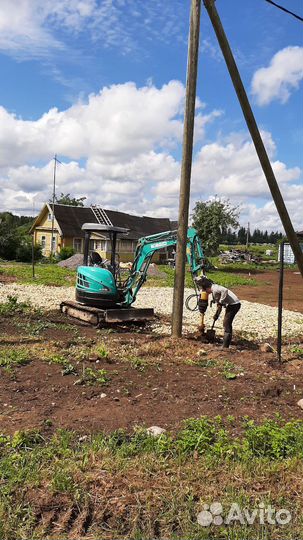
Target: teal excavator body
{"type": "Point", "coordinates": [99, 283]}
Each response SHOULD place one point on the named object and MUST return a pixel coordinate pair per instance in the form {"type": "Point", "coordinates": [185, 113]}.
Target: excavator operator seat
{"type": "Point", "coordinates": [95, 259]}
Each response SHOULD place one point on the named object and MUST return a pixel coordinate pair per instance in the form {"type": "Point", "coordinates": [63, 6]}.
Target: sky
{"type": "Point", "coordinates": [101, 84]}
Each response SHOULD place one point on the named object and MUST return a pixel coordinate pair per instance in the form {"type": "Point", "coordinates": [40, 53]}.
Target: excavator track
{"type": "Point", "coordinates": [98, 317]}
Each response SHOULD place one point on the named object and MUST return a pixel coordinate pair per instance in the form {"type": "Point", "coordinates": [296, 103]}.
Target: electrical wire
{"type": "Point", "coordinates": [286, 10]}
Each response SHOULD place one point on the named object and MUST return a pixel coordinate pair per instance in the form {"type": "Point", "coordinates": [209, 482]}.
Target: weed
{"type": "Point", "coordinates": [296, 349]}
{"type": "Point", "coordinates": [13, 306]}
{"type": "Point", "coordinates": [137, 363]}
{"type": "Point", "coordinates": [10, 358]}
{"type": "Point", "coordinates": [203, 363]}
{"type": "Point", "coordinates": [35, 328]}
{"type": "Point", "coordinates": [93, 376]}
{"type": "Point", "coordinates": [102, 351]}
{"type": "Point", "coordinates": [67, 367]}
{"type": "Point", "coordinates": [228, 371]}
{"type": "Point", "coordinates": [26, 439]}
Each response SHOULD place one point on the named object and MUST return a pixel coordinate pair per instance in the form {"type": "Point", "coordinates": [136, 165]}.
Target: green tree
{"type": "Point", "coordinates": [242, 233]}
{"type": "Point", "coordinates": [68, 200]}
{"type": "Point", "coordinates": [212, 219]}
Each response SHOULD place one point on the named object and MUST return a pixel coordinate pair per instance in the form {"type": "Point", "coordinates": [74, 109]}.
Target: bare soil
{"type": "Point", "coordinates": [268, 294]}
{"type": "Point", "coordinates": [154, 380]}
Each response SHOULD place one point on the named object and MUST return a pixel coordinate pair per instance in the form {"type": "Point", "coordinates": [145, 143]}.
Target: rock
{"type": "Point", "coordinates": [266, 347]}
{"type": "Point", "coordinates": [153, 270]}
{"type": "Point", "coordinates": [202, 352]}
{"type": "Point", "coordinates": [155, 431]}
{"type": "Point", "coordinates": [300, 403]}
{"type": "Point", "coordinates": [102, 395]}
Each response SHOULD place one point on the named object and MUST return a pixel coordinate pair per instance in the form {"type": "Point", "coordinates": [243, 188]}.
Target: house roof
{"type": "Point", "coordinates": [71, 218]}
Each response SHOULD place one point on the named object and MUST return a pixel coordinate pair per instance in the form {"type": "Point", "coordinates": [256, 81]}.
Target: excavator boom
{"type": "Point", "coordinates": [147, 246]}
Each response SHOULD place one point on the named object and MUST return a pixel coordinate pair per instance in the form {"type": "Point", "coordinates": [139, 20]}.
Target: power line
{"type": "Point", "coordinates": [286, 10]}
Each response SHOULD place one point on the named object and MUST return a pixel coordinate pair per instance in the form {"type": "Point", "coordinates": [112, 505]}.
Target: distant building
{"type": "Point", "coordinates": [67, 232]}
{"type": "Point", "coordinates": [289, 257]}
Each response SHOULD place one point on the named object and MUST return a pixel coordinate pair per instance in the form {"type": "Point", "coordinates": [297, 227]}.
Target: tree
{"type": "Point", "coordinates": [68, 200]}
{"type": "Point", "coordinates": [212, 219]}
{"type": "Point", "coordinates": [242, 235]}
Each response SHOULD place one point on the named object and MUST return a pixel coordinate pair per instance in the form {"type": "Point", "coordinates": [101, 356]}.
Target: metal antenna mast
{"type": "Point", "coordinates": [53, 202]}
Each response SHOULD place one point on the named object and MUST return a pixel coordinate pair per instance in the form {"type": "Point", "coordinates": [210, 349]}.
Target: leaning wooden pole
{"type": "Point", "coordinates": [188, 135]}
{"type": "Point", "coordinates": [255, 133]}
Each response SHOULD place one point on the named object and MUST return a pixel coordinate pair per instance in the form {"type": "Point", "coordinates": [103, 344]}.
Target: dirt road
{"type": "Point", "coordinates": [267, 290]}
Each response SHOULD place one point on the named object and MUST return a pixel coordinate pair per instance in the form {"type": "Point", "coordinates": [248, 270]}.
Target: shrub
{"type": "Point", "coordinates": [66, 253]}
{"type": "Point", "coordinates": [24, 252]}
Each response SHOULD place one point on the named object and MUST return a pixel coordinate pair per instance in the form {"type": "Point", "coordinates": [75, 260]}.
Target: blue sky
{"type": "Point", "coordinates": [101, 83]}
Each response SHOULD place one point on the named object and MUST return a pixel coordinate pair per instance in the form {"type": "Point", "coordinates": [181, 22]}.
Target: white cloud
{"type": "Point", "coordinates": [280, 78]}
{"type": "Point", "coordinates": [32, 27]}
{"type": "Point", "coordinates": [121, 120]}
{"type": "Point", "coordinates": [118, 150]}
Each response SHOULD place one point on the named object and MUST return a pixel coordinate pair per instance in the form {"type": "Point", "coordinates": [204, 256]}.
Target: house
{"type": "Point", "coordinates": [67, 232]}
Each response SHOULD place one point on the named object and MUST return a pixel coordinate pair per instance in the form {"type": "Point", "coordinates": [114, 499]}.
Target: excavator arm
{"type": "Point", "coordinates": [147, 246]}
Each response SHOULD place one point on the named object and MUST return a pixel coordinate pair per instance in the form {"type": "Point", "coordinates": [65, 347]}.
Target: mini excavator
{"type": "Point", "coordinates": [102, 295]}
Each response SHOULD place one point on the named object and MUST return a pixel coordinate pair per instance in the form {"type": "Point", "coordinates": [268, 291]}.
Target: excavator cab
{"type": "Point", "coordinates": [97, 279]}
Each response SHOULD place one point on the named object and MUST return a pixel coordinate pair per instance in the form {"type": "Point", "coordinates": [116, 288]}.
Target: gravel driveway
{"type": "Point", "coordinates": [257, 321]}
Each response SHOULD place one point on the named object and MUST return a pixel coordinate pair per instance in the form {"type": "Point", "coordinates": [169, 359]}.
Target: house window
{"type": "Point", "coordinates": [43, 242]}
{"type": "Point", "coordinates": [54, 244]}
{"type": "Point", "coordinates": [49, 216]}
{"type": "Point", "coordinates": [100, 245]}
{"type": "Point", "coordinates": [78, 245]}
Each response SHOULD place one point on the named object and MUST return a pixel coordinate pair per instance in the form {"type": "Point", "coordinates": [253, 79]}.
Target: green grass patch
{"type": "Point", "coordinates": [228, 278]}
{"type": "Point", "coordinates": [51, 274]}
{"type": "Point", "coordinates": [45, 274]}
{"type": "Point", "coordinates": [12, 307]}
{"type": "Point", "coordinates": [150, 486]}
{"type": "Point", "coordinates": [11, 358]}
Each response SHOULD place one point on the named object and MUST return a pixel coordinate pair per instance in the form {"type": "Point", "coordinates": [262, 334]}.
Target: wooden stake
{"type": "Point", "coordinates": [188, 134]}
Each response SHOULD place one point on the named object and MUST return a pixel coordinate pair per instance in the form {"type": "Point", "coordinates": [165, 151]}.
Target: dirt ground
{"type": "Point", "coordinates": [292, 291]}
{"type": "Point", "coordinates": [153, 380]}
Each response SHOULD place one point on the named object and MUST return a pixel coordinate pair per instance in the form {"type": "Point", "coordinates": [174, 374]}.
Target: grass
{"type": "Point", "coordinates": [225, 278]}
{"type": "Point", "coordinates": [11, 358]}
{"type": "Point", "coordinates": [12, 307]}
{"type": "Point", "coordinates": [51, 274]}
{"type": "Point", "coordinates": [124, 485]}
{"type": "Point", "coordinates": [45, 274]}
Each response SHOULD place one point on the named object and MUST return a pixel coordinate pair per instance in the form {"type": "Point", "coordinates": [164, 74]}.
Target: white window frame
{"type": "Point", "coordinates": [43, 242]}
{"type": "Point", "coordinates": [75, 240]}
{"type": "Point", "coordinates": [54, 243]}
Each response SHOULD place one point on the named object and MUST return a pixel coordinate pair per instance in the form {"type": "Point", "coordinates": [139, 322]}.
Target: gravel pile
{"type": "Point", "coordinates": [256, 321]}
{"type": "Point", "coordinates": [72, 262]}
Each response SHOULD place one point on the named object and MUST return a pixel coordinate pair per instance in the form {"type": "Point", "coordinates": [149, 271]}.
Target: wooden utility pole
{"type": "Point", "coordinates": [188, 134]}
{"type": "Point", "coordinates": [254, 131]}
